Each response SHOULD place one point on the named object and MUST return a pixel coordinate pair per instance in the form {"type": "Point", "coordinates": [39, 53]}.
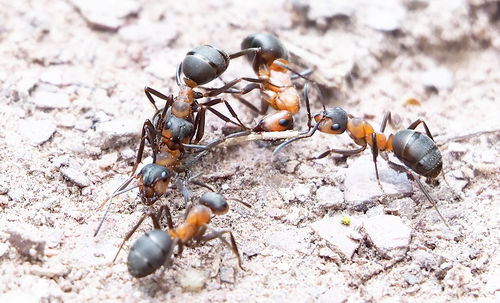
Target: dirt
{"type": "Point", "coordinates": [72, 107]}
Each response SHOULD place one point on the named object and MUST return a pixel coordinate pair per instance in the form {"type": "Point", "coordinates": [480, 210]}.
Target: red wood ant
{"type": "Point", "coordinates": [416, 150]}
{"type": "Point", "coordinates": [270, 64]}
{"type": "Point", "coordinates": [155, 247]}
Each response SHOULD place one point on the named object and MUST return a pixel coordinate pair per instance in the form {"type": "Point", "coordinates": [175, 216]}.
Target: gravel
{"type": "Point", "coordinates": [72, 109]}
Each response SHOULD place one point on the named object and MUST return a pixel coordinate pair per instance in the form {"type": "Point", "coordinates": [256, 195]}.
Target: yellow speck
{"type": "Point", "coordinates": [346, 221]}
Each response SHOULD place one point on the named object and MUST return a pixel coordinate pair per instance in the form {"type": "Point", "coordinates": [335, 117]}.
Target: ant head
{"type": "Point", "coordinates": [154, 180]}
{"type": "Point", "coordinates": [215, 201]}
{"type": "Point", "coordinates": [152, 173]}
{"type": "Point", "coordinates": [332, 120]}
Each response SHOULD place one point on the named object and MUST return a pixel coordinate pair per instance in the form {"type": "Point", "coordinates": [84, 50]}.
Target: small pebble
{"type": "Point", "coordinates": [72, 171]}
{"type": "Point", "coordinates": [361, 186]}
{"type": "Point", "coordinates": [289, 241]}
{"type": "Point", "coordinates": [388, 234]}
{"type": "Point", "coordinates": [193, 279]}
{"type": "Point", "coordinates": [385, 16]}
{"type": "Point", "coordinates": [4, 248]}
{"type": "Point", "coordinates": [411, 280]}
{"type": "Point", "coordinates": [115, 133]}
{"type": "Point", "coordinates": [302, 192]}
{"type": "Point", "coordinates": [108, 15]}
{"type": "Point", "coordinates": [51, 271]}
{"type": "Point", "coordinates": [329, 197]}
{"type": "Point", "coordinates": [50, 100]}
{"type": "Point", "coordinates": [35, 131]}
{"type": "Point", "coordinates": [437, 78]}
{"type": "Point", "coordinates": [424, 259]}
{"type": "Point", "coordinates": [226, 275]}
{"type": "Point", "coordinates": [338, 236]}
{"type": "Point", "coordinates": [32, 250]}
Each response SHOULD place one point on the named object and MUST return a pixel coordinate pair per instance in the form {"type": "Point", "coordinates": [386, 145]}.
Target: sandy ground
{"type": "Point", "coordinates": [72, 107]}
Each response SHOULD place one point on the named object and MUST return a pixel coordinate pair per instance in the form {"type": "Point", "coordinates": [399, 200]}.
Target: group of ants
{"type": "Point", "coordinates": [179, 126]}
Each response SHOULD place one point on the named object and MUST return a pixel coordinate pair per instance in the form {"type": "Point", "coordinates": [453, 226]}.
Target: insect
{"type": "Point", "coordinates": [275, 76]}
{"type": "Point", "coordinates": [416, 150]}
{"type": "Point", "coordinates": [179, 123]}
{"type": "Point", "coordinates": [155, 247]}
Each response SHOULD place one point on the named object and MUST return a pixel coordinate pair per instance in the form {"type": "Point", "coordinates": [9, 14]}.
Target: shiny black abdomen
{"type": "Point", "coordinates": [271, 49]}
{"type": "Point", "coordinates": [204, 63]}
{"type": "Point", "coordinates": [418, 152]}
{"type": "Point", "coordinates": [149, 253]}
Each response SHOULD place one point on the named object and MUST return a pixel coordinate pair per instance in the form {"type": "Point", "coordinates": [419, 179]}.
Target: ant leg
{"type": "Point", "coordinates": [147, 132]}
{"type": "Point", "coordinates": [180, 249]}
{"type": "Point", "coordinates": [303, 74]}
{"type": "Point", "coordinates": [241, 91]}
{"type": "Point", "coordinates": [199, 125]}
{"type": "Point", "coordinates": [375, 155]}
{"type": "Point", "coordinates": [411, 175]}
{"type": "Point", "coordinates": [230, 84]}
{"type": "Point", "coordinates": [248, 104]}
{"type": "Point", "coordinates": [156, 224]}
{"type": "Point", "coordinates": [246, 51]}
{"type": "Point", "coordinates": [178, 74]}
{"type": "Point", "coordinates": [148, 91]}
{"type": "Point", "coordinates": [218, 234]}
{"type": "Point", "coordinates": [308, 107]}
{"type": "Point", "coordinates": [120, 190]}
{"type": "Point", "coordinates": [213, 102]}
{"type": "Point", "coordinates": [199, 183]}
{"type": "Point", "coordinates": [343, 152]}
{"type": "Point", "coordinates": [166, 209]}
{"type": "Point", "coordinates": [240, 201]}
{"type": "Point", "coordinates": [420, 121]}
{"type": "Point", "coordinates": [428, 196]}
{"type": "Point", "coordinates": [186, 193]}
{"type": "Point", "coordinates": [387, 117]}
{"type": "Point", "coordinates": [302, 136]}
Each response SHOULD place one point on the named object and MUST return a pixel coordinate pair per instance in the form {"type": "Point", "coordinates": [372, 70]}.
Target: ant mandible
{"type": "Point", "coordinates": [155, 247]}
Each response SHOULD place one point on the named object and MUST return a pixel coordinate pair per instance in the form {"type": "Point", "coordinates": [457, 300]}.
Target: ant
{"type": "Point", "coordinates": [173, 127]}
{"type": "Point", "coordinates": [155, 247]}
{"type": "Point", "coordinates": [271, 66]}
{"type": "Point", "coordinates": [416, 150]}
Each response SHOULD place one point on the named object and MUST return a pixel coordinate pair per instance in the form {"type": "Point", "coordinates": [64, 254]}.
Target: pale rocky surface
{"type": "Point", "coordinates": [71, 96]}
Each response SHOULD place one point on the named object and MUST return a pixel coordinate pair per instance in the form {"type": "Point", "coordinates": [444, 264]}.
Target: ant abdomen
{"type": "Point", "coordinates": [149, 253]}
{"type": "Point", "coordinates": [204, 63]}
{"type": "Point", "coordinates": [418, 151]}
{"type": "Point", "coordinates": [271, 49]}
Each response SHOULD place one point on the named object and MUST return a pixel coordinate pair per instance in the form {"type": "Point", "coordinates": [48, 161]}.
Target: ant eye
{"type": "Point", "coordinates": [336, 126]}
{"type": "Point", "coordinates": [284, 122]}
{"type": "Point", "coordinates": [168, 124]}
{"type": "Point", "coordinates": [164, 175]}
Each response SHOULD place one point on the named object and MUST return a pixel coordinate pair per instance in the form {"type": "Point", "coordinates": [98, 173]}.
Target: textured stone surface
{"type": "Point", "coordinates": [388, 234]}
{"type": "Point", "coordinates": [340, 238]}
